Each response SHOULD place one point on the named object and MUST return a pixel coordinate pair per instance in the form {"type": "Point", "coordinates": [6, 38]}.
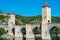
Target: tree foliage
{"type": "Point", "coordinates": [2, 31]}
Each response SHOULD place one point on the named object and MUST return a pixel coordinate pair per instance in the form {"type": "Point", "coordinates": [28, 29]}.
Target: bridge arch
{"type": "Point", "coordinates": [23, 30]}
{"type": "Point", "coordinates": [13, 31]}
{"type": "Point", "coordinates": [34, 30]}
{"type": "Point", "coordinates": [51, 25]}
{"type": "Point", "coordinates": [37, 30]}
{"type": "Point", "coordinates": [54, 32]}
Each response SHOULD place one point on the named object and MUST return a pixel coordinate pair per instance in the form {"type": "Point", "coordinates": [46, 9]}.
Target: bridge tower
{"type": "Point", "coordinates": [46, 18]}
{"type": "Point", "coordinates": [11, 23]}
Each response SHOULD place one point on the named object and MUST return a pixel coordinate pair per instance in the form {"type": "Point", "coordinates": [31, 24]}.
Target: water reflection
{"type": "Point", "coordinates": [20, 39]}
{"type": "Point", "coordinates": [30, 39]}
{"type": "Point", "coordinates": [37, 38]}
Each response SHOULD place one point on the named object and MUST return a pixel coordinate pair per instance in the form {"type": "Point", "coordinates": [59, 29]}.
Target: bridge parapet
{"type": "Point", "coordinates": [51, 25]}
{"type": "Point", "coordinates": [4, 26]}
{"type": "Point", "coordinates": [20, 25]}
{"type": "Point", "coordinates": [35, 25]}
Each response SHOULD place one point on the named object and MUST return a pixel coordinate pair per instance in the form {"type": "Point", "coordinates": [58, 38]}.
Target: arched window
{"type": "Point", "coordinates": [48, 21]}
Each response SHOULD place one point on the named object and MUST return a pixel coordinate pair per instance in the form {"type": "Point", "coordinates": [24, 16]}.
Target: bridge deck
{"type": "Point", "coordinates": [51, 25]}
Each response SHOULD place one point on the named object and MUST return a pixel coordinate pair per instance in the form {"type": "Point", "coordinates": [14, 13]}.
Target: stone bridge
{"type": "Point", "coordinates": [17, 29]}
{"type": "Point", "coordinates": [29, 29]}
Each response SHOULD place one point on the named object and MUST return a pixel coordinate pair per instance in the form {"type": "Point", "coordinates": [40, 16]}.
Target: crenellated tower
{"type": "Point", "coordinates": [11, 23]}
{"type": "Point", "coordinates": [46, 18]}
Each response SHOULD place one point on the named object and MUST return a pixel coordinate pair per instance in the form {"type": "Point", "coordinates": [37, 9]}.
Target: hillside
{"type": "Point", "coordinates": [28, 19]}
{"type": "Point", "coordinates": [34, 19]}
{"type": "Point", "coordinates": [21, 20]}
{"type": "Point", "coordinates": [3, 19]}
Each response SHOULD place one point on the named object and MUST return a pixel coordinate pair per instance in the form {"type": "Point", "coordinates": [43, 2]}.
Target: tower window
{"type": "Point", "coordinates": [45, 33]}
{"type": "Point", "coordinates": [48, 21]}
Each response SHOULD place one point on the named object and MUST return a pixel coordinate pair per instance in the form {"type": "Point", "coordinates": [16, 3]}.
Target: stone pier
{"type": "Point", "coordinates": [29, 33]}
{"type": "Point", "coordinates": [18, 33]}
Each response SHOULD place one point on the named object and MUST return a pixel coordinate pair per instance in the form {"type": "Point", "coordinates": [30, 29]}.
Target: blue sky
{"type": "Point", "coordinates": [29, 7]}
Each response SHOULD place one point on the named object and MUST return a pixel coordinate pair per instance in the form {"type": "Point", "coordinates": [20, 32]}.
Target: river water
{"type": "Point", "coordinates": [37, 38]}
{"type": "Point", "coordinates": [20, 39]}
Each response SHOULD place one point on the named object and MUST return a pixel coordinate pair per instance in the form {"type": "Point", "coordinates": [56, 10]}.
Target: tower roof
{"type": "Point", "coordinates": [11, 13]}
{"type": "Point", "coordinates": [45, 5]}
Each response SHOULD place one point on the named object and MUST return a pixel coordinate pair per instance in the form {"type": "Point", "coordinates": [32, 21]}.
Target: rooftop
{"type": "Point", "coordinates": [45, 5]}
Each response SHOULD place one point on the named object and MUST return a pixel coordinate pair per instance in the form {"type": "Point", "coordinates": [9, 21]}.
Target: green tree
{"type": "Point", "coordinates": [2, 31]}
